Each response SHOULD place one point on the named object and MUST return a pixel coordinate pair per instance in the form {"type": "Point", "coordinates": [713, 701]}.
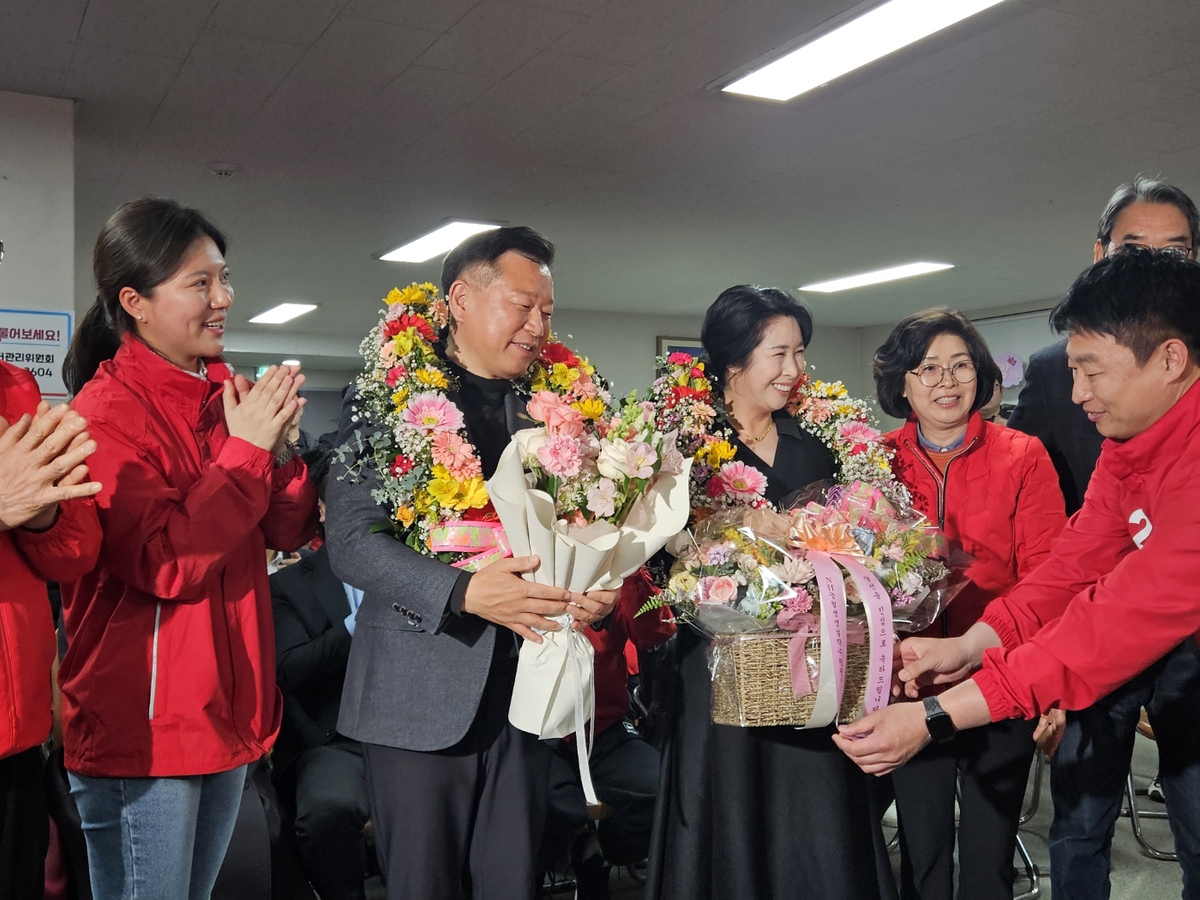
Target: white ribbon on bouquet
{"type": "Point", "coordinates": [554, 694]}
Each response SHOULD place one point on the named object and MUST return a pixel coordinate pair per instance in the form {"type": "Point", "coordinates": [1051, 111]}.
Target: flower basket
{"type": "Point", "coordinates": [752, 684]}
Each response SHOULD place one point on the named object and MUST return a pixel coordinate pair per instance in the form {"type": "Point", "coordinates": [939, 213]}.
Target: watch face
{"type": "Point", "coordinates": [938, 721]}
{"type": "Point", "coordinates": [941, 728]}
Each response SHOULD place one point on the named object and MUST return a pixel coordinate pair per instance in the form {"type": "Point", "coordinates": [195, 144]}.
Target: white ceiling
{"type": "Point", "coordinates": [359, 123]}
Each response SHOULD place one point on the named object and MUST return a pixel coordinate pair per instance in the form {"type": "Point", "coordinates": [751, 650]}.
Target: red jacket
{"type": "Point", "coordinates": [1119, 589]}
{"type": "Point", "coordinates": [170, 665]}
{"type": "Point", "coordinates": [28, 560]}
{"type": "Point", "coordinates": [645, 631]}
{"type": "Point", "coordinates": [1000, 499]}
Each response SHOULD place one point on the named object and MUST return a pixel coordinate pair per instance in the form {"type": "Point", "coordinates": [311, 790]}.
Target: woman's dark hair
{"type": "Point", "coordinates": [1140, 301]}
{"type": "Point", "coordinates": [907, 345]}
{"type": "Point", "coordinates": [140, 246]}
{"type": "Point", "coordinates": [735, 322]}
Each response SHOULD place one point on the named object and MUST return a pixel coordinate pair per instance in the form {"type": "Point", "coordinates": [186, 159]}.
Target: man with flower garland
{"type": "Point", "coordinates": [1116, 597]}
{"type": "Point", "coordinates": [458, 795]}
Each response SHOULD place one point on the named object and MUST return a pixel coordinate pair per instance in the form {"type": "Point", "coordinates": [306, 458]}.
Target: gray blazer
{"type": "Point", "coordinates": [416, 671]}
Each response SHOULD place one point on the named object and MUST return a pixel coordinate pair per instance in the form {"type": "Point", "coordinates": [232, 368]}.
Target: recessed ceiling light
{"type": "Point", "coordinates": [877, 277]}
{"type": "Point", "coordinates": [290, 362]}
{"type": "Point", "coordinates": [875, 34]}
{"type": "Point", "coordinates": [443, 238]}
{"type": "Point", "coordinates": [284, 312]}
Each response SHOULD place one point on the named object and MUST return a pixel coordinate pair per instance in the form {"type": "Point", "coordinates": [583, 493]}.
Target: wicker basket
{"type": "Point", "coordinates": [752, 686]}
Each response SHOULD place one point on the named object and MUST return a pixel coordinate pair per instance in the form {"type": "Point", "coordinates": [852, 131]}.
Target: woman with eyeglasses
{"type": "Point", "coordinates": [994, 491]}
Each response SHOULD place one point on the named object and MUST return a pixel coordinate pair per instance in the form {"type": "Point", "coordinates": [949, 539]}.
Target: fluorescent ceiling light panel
{"type": "Point", "coordinates": [875, 34]}
{"type": "Point", "coordinates": [284, 312]}
{"type": "Point", "coordinates": [438, 241]}
{"type": "Point", "coordinates": [290, 362]}
{"type": "Point", "coordinates": [877, 277]}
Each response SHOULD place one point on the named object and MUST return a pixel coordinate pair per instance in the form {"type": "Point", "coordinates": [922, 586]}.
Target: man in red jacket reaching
{"type": "Point", "coordinates": [1117, 593]}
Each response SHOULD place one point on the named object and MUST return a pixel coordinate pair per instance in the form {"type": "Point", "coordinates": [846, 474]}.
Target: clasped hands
{"type": "Point", "coordinates": [43, 462]}
{"type": "Point", "coordinates": [883, 741]}
{"type": "Point", "coordinates": [263, 413]}
{"type": "Point", "coordinates": [498, 593]}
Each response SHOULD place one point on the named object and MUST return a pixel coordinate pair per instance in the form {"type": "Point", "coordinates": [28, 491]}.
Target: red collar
{"type": "Point", "coordinates": [140, 365]}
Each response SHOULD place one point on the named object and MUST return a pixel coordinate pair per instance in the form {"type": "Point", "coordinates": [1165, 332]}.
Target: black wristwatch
{"type": "Point", "coordinates": [937, 720]}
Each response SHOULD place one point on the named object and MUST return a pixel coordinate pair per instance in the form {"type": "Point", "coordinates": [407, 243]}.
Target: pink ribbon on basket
{"type": "Point", "coordinates": [485, 541]}
{"type": "Point", "coordinates": [831, 593]}
{"type": "Point", "coordinates": [802, 625]}
{"type": "Point", "coordinates": [879, 622]}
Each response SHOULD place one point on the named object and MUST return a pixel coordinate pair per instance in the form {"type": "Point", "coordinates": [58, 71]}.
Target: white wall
{"type": "Point", "coordinates": [37, 202]}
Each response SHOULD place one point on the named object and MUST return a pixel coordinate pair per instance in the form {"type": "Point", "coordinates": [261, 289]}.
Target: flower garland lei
{"type": "Point", "coordinates": [429, 472]}
{"type": "Point", "coordinates": [683, 397]}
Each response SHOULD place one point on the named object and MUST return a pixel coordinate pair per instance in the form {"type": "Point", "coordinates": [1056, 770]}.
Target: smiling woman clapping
{"type": "Point", "coordinates": [168, 682]}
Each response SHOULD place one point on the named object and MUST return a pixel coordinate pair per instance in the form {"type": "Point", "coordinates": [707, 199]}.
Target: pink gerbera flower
{"type": "Point", "coordinates": [432, 412]}
{"type": "Point", "coordinates": [743, 482]}
{"type": "Point", "coordinates": [858, 435]}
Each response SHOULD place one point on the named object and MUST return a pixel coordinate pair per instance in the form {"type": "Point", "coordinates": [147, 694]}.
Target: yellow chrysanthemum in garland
{"type": "Point", "coordinates": [400, 399]}
{"type": "Point", "coordinates": [453, 494]}
{"type": "Point", "coordinates": [591, 409]}
{"type": "Point", "coordinates": [413, 295]}
{"type": "Point", "coordinates": [563, 376]}
{"type": "Point", "coordinates": [431, 378]}
{"type": "Point", "coordinates": [716, 453]}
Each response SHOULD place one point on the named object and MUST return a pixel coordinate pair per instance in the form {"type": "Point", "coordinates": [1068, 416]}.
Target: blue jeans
{"type": "Point", "coordinates": [1087, 775]}
{"type": "Point", "coordinates": [157, 838]}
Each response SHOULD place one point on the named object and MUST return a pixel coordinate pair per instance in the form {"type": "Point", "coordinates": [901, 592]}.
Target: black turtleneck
{"type": "Point", "coordinates": [482, 403]}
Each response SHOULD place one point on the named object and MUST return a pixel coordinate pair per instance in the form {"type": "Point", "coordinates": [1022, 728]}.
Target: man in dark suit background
{"type": "Point", "coordinates": [1144, 213]}
{"type": "Point", "coordinates": [1087, 773]}
{"type": "Point", "coordinates": [458, 795]}
{"type": "Point", "coordinates": [319, 772]}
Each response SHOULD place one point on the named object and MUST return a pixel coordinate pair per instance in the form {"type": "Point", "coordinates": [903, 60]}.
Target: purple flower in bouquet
{"type": "Point", "coordinates": [717, 554]}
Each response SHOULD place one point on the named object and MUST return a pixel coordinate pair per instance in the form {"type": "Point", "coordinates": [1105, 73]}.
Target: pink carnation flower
{"type": "Point", "coordinates": [394, 375]}
{"type": "Point", "coordinates": [742, 482]}
{"type": "Point", "coordinates": [431, 412]}
{"type": "Point", "coordinates": [558, 416]}
{"type": "Point", "coordinates": [452, 451]}
{"type": "Point", "coordinates": [679, 358]}
{"type": "Point", "coordinates": [560, 456]}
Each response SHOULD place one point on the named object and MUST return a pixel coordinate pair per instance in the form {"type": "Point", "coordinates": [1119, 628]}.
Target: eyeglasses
{"type": "Point", "coordinates": [931, 375]}
{"type": "Point", "coordinates": [1174, 251]}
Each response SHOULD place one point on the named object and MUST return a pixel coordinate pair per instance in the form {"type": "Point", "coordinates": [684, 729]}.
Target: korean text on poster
{"type": "Point", "coordinates": [37, 340]}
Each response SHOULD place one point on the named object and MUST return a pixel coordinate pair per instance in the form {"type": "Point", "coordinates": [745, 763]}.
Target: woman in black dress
{"type": "Point", "coordinates": [775, 812]}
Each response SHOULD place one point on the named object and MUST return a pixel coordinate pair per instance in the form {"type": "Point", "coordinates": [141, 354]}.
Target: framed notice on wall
{"type": "Point", "coordinates": [668, 345]}
{"type": "Point", "coordinates": [37, 340]}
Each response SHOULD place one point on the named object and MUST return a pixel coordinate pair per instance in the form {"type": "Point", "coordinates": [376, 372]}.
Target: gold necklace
{"type": "Point", "coordinates": [763, 436]}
